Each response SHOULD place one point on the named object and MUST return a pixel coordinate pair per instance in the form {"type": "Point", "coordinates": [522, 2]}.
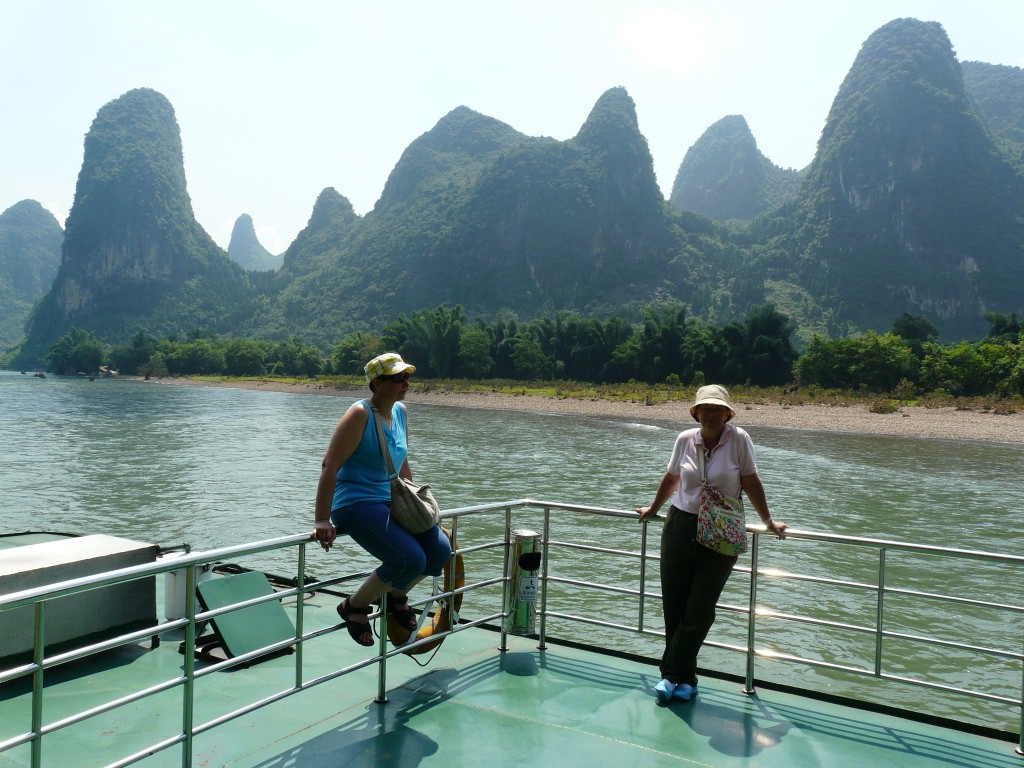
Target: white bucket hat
{"type": "Point", "coordinates": [712, 394]}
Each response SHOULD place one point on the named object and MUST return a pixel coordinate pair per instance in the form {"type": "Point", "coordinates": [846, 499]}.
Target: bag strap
{"type": "Point", "coordinates": [388, 464]}
{"type": "Point", "coordinates": [700, 462]}
{"type": "Point", "coordinates": [704, 470]}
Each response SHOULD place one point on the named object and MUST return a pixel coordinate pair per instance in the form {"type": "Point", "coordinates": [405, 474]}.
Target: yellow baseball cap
{"type": "Point", "coordinates": [387, 364]}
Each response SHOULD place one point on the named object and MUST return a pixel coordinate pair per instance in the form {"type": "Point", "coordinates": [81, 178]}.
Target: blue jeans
{"type": "Point", "coordinates": [404, 556]}
{"type": "Point", "coordinates": [692, 580]}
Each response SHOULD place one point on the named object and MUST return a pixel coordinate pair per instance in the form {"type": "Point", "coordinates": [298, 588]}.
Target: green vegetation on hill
{"type": "Point", "coordinates": [998, 92]}
{"type": "Point", "coordinates": [247, 251]}
{"type": "Point", "coordinates": [910, 206]}
{"type": "Point", "coordinates": [30, 239]}
{"type": "Point", "coordinates": [725, 176]}
{"type": "Point", "coordinates": [134, 255]}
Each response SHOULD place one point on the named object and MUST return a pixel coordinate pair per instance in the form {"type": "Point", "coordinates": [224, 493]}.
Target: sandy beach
{"type": "Point", "coordinates": [913, 421]}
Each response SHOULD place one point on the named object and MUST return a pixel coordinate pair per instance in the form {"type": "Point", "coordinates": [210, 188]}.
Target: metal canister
{"type": "Point", "coordinates": [522, 583]}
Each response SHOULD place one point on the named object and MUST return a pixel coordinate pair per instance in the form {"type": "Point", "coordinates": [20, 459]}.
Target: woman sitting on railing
{"type": "Point", "coordinates": [354, 497]}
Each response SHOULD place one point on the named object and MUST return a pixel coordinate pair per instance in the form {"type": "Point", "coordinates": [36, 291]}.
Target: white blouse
{"type": "Point", "coordinates": [732, 458]}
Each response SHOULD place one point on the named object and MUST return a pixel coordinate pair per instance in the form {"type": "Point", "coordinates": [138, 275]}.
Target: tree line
{"type": "Point", "coordinates": [668, 345]}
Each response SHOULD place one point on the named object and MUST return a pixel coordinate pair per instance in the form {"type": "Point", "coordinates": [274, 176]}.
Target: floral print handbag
{"type": "Point", "coordinates": [721, 521]}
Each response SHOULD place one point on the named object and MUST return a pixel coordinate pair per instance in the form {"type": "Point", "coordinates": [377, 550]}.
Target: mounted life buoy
{"type": "Point", "coordinates": [446, 610]}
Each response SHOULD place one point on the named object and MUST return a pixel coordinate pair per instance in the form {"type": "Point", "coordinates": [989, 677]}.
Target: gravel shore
{"type": "Point", "coordinates": [912, 421]}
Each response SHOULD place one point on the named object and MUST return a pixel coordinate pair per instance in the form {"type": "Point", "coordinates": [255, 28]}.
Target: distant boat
{"type": "Point", "coordinates": [39, 375]}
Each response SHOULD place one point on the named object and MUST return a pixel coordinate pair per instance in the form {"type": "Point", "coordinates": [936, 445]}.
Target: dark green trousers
{"type": "Point", "coordinates": [692, 580]}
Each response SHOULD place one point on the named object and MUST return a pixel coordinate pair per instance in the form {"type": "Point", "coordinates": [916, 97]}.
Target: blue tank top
{"type": "Point", "coordinates": [363, 477]}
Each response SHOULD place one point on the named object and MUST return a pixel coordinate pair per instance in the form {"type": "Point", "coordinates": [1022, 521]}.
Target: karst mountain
{"type": "Point", "coordinates": [912, 204]}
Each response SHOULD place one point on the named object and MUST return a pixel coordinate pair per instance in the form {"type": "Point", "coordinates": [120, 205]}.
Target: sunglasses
{"type": "Point", "coordinates": [398, 378]}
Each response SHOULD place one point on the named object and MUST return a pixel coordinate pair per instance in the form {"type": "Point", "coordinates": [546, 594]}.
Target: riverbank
{"type": "Point", "coordinates": [912, 421]}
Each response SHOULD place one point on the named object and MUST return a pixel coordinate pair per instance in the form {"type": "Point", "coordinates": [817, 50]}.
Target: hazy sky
{"type": "Point", "coordinates": [278, 100]}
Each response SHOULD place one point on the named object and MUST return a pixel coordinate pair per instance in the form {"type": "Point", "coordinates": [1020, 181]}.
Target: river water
{"type": "Point", "coordinates": [213, 467]}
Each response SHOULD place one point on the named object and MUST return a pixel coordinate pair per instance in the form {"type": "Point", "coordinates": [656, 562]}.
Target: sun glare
{"type": "Point", "coordinates": [671, 41]}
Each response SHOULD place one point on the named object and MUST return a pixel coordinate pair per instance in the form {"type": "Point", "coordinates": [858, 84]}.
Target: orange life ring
{"type": "Point", "coordinates": [441, 621]}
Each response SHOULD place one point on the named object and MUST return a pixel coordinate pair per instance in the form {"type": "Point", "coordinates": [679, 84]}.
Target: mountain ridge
{"type": "Point", "coordinates": [908, 206]}
{"type": "Point", "coordinates": [246, 250]}
{"type": "Point", "coordinates": [133, 255]}
{"type": "Point", "coordinates": [725, 176]}
{"type": "Point", "coordinates": [30, 239]}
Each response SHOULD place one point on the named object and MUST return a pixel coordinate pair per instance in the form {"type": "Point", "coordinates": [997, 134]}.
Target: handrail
{"type": "Point", "coordinates": [551, 548]}
{"type": "Point", "coordinates": [754, 612]}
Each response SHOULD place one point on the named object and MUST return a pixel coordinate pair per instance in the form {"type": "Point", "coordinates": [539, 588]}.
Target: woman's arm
{"type": "Point", "coordinates": [405, 470]}
{"type": "Point", "coordinates": [343, 444]}
{"type": "Point", "coordinates": [754, 488]}
{"type": "Point", "coordinates": [666, 488]}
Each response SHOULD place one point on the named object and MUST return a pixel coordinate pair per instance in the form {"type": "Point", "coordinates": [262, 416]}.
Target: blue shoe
{"type": "Point", "coordinates": [664, 690]}
{"type": "Point", "coordinates": [684, 691]}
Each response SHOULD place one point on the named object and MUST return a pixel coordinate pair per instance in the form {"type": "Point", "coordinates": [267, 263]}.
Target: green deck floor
{"type": "Point", "coordinates": [568, 708]}
{"type": "Point", "coordinates": [473, 705]}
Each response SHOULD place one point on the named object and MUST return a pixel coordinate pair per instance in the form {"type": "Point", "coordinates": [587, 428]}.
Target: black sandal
{"type": "Point", "coordinates": [406, 617]}
{"type": "Point", "coordinates": [359, 631]}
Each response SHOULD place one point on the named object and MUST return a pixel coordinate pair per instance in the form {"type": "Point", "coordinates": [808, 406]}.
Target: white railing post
{"type": "Point", "coordinates": [189, 688]}
{"type": "Point", "coordinates": [880, 612]}
{"type": "Point", "coordinates": [38, 656]}
{"type": "Point", "coordinates": [748, 686]}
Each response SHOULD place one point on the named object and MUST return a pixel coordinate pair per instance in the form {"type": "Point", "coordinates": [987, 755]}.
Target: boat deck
{"type": "Point", "coordinates": [470, 705]}
{"type": "Point", "coordinates": [129, 701]}
{"type": "Point", "coordinates": [574, 708]}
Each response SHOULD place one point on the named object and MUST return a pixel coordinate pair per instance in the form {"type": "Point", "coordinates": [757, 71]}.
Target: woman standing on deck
{"type": "Point", "coordinates": [693, 576]}
{"type": "Point", "coordinates": [353, 496]}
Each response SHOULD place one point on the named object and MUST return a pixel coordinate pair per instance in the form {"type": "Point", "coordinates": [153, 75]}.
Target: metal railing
{"type": "Point", "coordinates": [502, 518]}
{"type": "Point", "coordinates": [1012, 572]}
